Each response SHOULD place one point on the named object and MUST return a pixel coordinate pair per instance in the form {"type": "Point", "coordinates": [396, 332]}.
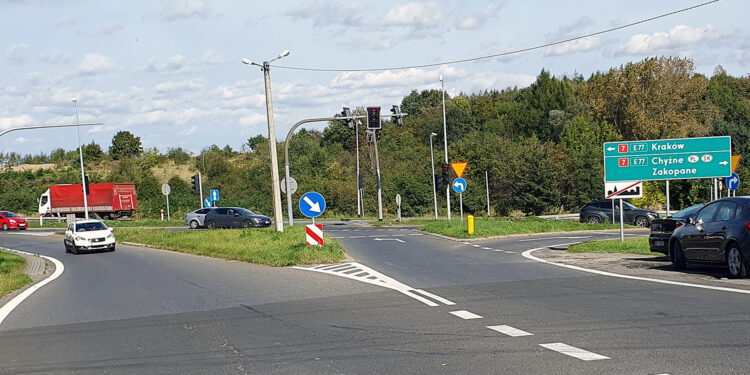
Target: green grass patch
{"type": "Point", "coordinates": [11, 273]}
{"type": "Point", "coordinates": [116, 223]}
{"type": "Point", "coordinates": [629, 246]}
{"type": "Point", "coordinates": [260, 246]}
{"type": "Point", "coordinates": [504, 226]}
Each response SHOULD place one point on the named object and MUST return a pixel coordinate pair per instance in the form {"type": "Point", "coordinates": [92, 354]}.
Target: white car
{"type": "Point", "coordinates": [88, 235]}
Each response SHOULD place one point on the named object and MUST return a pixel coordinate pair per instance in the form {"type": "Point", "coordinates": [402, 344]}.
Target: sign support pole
{"type": "Point", "coordinates": [360, 211]}
{"type": "Point", "coordinates": [461, 205]}
{"type": "Point", "coordinates": [622, 227]}
{"type": "Point", "coordinates": [614, 219]}
{"type": "Point", "coordinates": [288, 196]}
{"type": "Point", "coordinates": [667, 197]}
{"type": "Point", "coordinates": [200, 188]}
{"type": "Point", "coordinates": [169, 218]}
{"type": "Point", "coordinates": [487, 187]}
{"type": "Point", "coordinates": [377, 168]}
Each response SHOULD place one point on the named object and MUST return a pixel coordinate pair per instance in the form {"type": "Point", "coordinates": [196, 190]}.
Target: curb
{"type": "Point", "coordinates": [504, 236]}
{"type": "Point", "coordinates": [9, 306]}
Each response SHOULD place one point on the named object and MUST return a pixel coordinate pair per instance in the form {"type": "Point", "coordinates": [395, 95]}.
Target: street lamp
{"type": "Point", "coordinates": [445, 139]}
{"type": "Point", "coordinates": [272, 139]}
{"type": "Point", "coordinates": [432, 173]}
{"type": "Point", "coordinates": [80, 154]}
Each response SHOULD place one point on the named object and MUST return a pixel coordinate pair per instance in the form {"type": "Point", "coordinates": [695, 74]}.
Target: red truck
{"type": "Point", "coordinates": [106, 200]}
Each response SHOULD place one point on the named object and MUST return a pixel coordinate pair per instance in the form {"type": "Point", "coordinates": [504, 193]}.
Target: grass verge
{"type": "Point", "coordinates": [260, 246]}
{"type": "Point", "coordinates": [629, 246]}
{"type": "Point", "coordinates": [505, 226]}
{"type": "Point", "coordinates": [11, 272]}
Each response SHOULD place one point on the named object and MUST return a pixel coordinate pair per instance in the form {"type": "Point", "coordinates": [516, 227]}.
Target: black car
{"type": "Point", "coordinates": [717, 234]}
{"type": "Point", "coordinates": [234, 217]}
{"type": "Point", "coordinates": [601, 211]}
{"type": "Point", "coordinates": [661, 229]}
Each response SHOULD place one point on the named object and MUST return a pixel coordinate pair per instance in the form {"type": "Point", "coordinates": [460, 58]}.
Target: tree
{"type": "Point", "coordinates": [125, 145]}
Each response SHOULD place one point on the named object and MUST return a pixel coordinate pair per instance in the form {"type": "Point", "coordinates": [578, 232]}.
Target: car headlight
{"type": "Point", "coordinates": [78, 238]}
{"type": "Point", "coordinates": [111, 235]}
{"type": "Point", "coordinates": [12, 221]}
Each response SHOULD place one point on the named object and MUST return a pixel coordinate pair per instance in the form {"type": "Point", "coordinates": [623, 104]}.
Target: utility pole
{"type": "Point", "coordinates": [445, 140]}
{"type": "Point", "coordinates": [360, 209]}
{"type": "Point", "coordinates": [487, 186]}
{"type": "Point", "coordinates": [83, 174]}
{"type": "Point", "coordinates": [200, 187]}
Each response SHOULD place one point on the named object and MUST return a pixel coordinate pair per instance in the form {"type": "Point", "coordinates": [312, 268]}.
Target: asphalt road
{"type": "Point", "coordinates": [148, 311]}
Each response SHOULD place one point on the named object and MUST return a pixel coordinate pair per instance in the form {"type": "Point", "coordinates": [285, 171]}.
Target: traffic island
{"type": "Point", "coordinates": [486, 228]}
{"type": "Point", "coordinates": [263, 246]}
{"type": "Point", "coordinates": [18, 271]}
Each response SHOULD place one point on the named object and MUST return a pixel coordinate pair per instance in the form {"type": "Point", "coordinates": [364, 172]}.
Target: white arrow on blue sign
{"type": "Point", "coordinates": [459, 185]}
{"type": "Point", "coordinates": [214, 194]}
{"type": "Point", "coordinates": [207, 202]}
{"type": "Point", "coordinates": [312, 204]}
{"type": "Point", "coordinates": [732, 182]}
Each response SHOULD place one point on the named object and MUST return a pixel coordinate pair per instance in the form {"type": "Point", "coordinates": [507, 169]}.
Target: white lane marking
{"type": "Point", "coordinates": [527, 254]}
{"type": "Point", "coordinates": [357, 237]}
{"type": "Point", "coordinates": [30, 233]}
{"type": "Point", "coordinates": [416, 234]}
{"type": "Point", "coordinates": [463, 314]}
{"type": "Point", "coordinates": [553, 238]}
{"type": "Point", "coordinates": [376, 278]}
{"type": "Point", "coordinates": [466, 243]}
{"type": "Point", "coordinates": [574, 352]}
{"type": "Point", "coordinates": [486, 248]}
{"type": "Point", "coordinates": [510, 331]}
{"type": "Point", "coordinates": [475, 245]}
{"type": "Point", "coordinates": [390, 239]}
{"type": "Point", "coordinates": [436, 297]}
{"type": "Point", "coordinates": [6, 309]}
{"type": "Point", "coordinates": [338, 237]}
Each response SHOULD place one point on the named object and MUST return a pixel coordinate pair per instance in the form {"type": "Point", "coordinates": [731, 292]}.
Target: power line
{"type": "Point", "coordinates": [502, 53]}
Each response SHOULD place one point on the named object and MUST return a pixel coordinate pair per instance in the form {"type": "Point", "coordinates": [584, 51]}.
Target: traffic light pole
{"type": "Point", "coordinates": [432, 173]}
{"type": "Point", "coordinates": [360, 210]}
{"type": "Point", "coordinates": [445, 139]}
{"type": "Point", "coordinates": [377, 169]}
{"type": "Point", "coordinates": [200, 188]}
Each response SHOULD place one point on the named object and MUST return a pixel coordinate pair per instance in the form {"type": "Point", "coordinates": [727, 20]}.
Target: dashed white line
{"type": "Point", "coordinates": [463, 314]}
{"type": "Point", "coordinates": [486, 248]}
{"type": "Point", "coordinates": [574, 352]}
{"type": "Point", "coordinates": [510, 331]}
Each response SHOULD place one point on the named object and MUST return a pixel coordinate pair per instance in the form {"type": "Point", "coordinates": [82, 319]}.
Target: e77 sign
{"type": "Point", "coordinates": [668, 159]}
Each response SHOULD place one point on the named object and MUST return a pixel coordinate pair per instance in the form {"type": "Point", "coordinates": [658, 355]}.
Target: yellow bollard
{"type": "Point", "coordinates": [471, 224]}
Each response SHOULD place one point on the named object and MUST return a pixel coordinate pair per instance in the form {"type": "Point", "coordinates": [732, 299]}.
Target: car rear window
{"type": "Point", "coordinates": [203, 211]}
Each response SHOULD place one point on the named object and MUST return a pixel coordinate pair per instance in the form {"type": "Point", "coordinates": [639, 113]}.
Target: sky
{"type": "Point", "coordinates": [171, 71]}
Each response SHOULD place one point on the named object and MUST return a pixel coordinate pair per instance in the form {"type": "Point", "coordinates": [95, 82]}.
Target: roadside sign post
{"type": "Point", "coordinates": [312, 205]}
{"type": "Point", "coordinates": [667, 198]}
{"type": "Point", "coordinates": [622, 225]}
{"type": "Point", "coordinates": [166, 189]}
{"type": "Point", "coordinates": [289, 187]}
{"type": "Point", "coordinates": [620, 190]}
{"type": "Point", "coordinates": [398, 203]}
{"type": "Point", "coordinates": [459, 186]}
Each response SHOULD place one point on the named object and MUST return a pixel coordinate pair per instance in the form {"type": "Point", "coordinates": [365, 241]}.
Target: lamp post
{"type": "Point", "coordinates": [83, 174]}
{"type": "Point", "coordinates": [432, 173]}
{"type": "Point", "coordinates": [272, 140]}
{"type": "Point", "coordinates": [445, 140]}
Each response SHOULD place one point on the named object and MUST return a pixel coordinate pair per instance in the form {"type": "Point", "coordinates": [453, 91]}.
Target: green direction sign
{"type": "Point", "coordinates": [668, 159]}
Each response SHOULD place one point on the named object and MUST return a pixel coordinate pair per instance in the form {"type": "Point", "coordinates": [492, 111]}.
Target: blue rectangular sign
{"type": "Point", "coordinates": [668, 159]}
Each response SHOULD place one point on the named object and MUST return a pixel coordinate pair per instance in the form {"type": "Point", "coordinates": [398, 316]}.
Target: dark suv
{"type": "Point", "coordinates": [717, 234]}
{"type": "Point", "coordinates": [234, 217]}
{"type": "Point", "coordinates": [601, 211]}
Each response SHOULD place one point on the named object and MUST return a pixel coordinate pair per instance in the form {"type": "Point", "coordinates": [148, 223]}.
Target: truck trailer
{"type": "Point", "coordinates": [106, 200]}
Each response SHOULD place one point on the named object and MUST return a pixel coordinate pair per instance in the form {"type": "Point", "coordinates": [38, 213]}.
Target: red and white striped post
{"type": "Point", "coordinates": [314, 234]}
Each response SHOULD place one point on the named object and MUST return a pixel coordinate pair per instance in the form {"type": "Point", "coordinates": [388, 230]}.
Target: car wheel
{"type": "Point", "coordinates": [112, 248]}
{"type": "Point", "coordinates": [211, 224]}
{"type": "Point", "coordinates": [641, 221]}
{"type": "Point", "coordinates": [247, 224]}
{"type": "Point", "coordinates": [735, 264]}
{"type": "Point", "coordinates": [67, 248]}
{"type": "Point", "coordinates": [5, 226]}
{"type": "Point", "coordinates": [677, 256]}
{"type": "Point", "coordinates": [594, 219]}
{"type": "Point", "coordinates": [194, 224]}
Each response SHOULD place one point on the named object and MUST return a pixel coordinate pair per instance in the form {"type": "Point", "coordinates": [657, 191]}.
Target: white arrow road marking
{"type": "Point", "coordinates": [389, 239]}
{"type": "Point", "coordinates": [314, 206]}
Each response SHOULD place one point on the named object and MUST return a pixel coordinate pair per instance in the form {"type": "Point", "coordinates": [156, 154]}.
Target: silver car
{"type": "Point", "coordinates": [196, 218]}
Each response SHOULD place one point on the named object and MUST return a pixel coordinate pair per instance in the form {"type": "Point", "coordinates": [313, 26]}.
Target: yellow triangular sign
{"type": "Point", "coordinates": [735, 161]}
{"type": "Point", "coordinates": [459, 167]}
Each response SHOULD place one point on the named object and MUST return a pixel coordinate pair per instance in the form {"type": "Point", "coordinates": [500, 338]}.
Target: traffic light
{"type": "Point", "coordinates": [361, 182]}
{"type": "Point", "coordinates": [377, 134]}
{"type": "Point", "coordinates": [349, 122]}
{"type": "Point", "coordinates": [491, 180]}
{"type": "Point", "coordinates": [438, 182]}
{"type": "Point", "coordinates": [373, 118]}
{"type": "Point", "coordinates": [399, 120]}
{"type": "Point", "coordinates": [196, 183]}
{"type": "Point", "coordinates": [86, 184]}
{"type": "Point", "coordinates": [446, 175]}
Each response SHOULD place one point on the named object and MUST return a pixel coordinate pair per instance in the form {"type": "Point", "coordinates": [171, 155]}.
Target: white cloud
{"type": "Point", "coordinates": [182, 86]}
{"type": "Point", "coordinates": [21, 140]}
{"type": "Point", "coordinates": [680, 36]}
{"type": "Point", "coordinates": [572, 29]}
{"type": "Point", "coordinates": [14, 122]}
{"type": "Point", "coordinates": [56, 57]}
{"type": "Point", "coordinates": [476, 21]}
{"type": "Point", "coordinates": [17, 54]}
{"type": "Point", "coordinates": [578, 45]}
{"type": "Point", "coordinates": [417, 14]}
{"type": "Point", "coordinates": [179, 10]}
{"type": "Point", "coordinates": [742, 56]}
{"type": "Point", "coordinates": [399, 78]}
{"type": "Point", "coordinates": [253, 119]}
{"type": "Point", "coordinates": [179, 64]}
{"type": "Point", "coordinates": [105, 30]}
{"type": "Point", "coordinates": [94, 63]}
{"type": "Point", "coordinates": [192, 130]}
{"type": "Point", "coordinates": [330, 14]}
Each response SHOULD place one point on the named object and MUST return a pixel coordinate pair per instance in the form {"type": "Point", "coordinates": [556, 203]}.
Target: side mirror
{"type": "Point", "coordinates": [110, 229]}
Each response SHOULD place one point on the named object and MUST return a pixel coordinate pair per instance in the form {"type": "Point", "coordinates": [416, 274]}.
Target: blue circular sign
{"type": "Point", "coordinates": [459, 185]}
{"type": "Point", "coordinates": [312, 204]}
{"type": "Point", "coordinates": [732, 182]}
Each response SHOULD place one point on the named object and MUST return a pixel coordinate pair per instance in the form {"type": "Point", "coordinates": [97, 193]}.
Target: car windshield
{"type": "Point", "coordinates": [245, 211]}
{"type": "Point", "coordinates": [688, 211]}
{"type": "Point", "coordinates": [628, 205]}
{"type": "Point", "coordinates": [90, 227]}
{"type": "Point", "coordinates": [9, 214]}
